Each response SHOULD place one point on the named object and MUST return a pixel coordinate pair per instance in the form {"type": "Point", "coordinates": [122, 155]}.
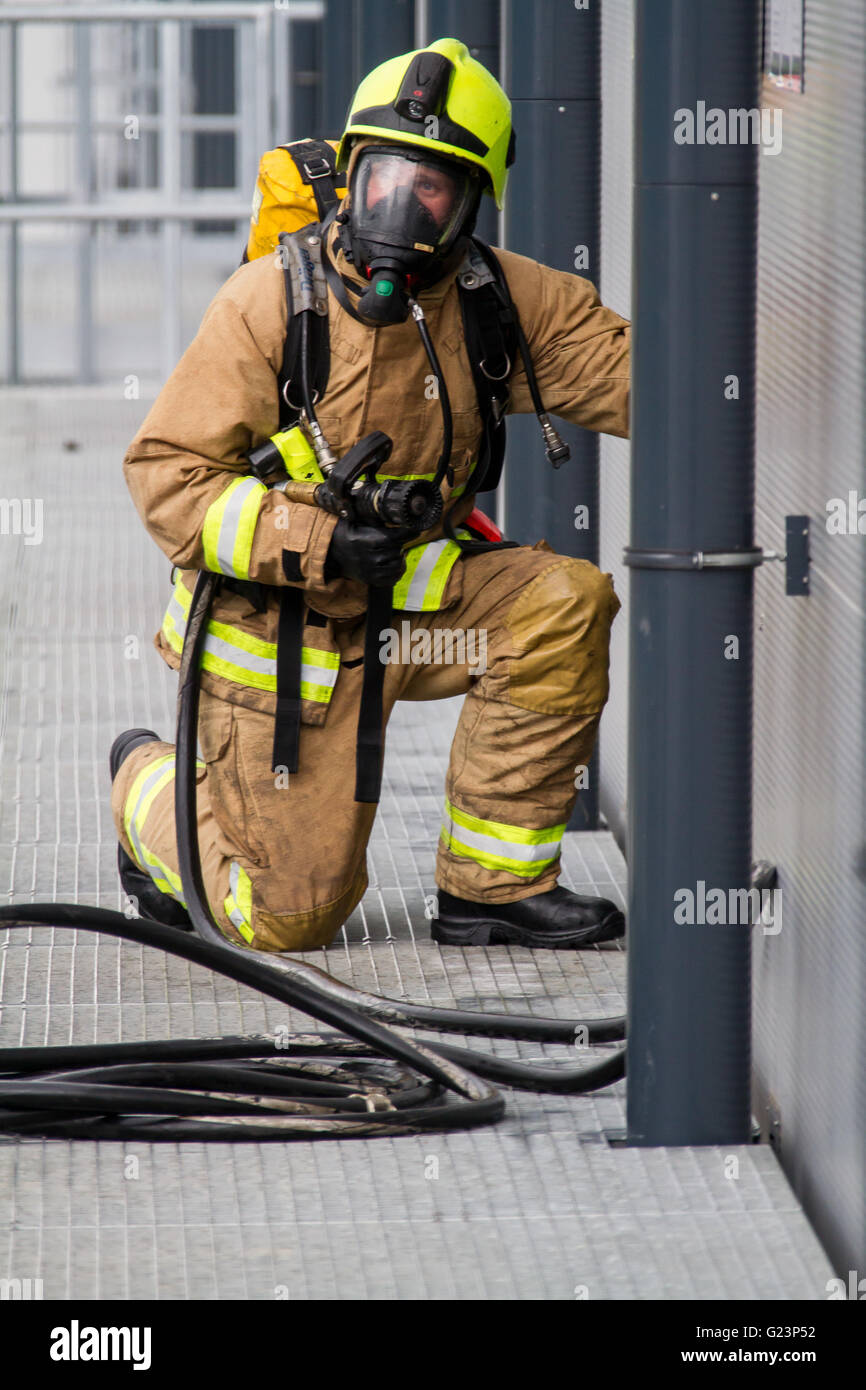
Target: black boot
{"type": "Point", "coordinates": [137, 884]}
{"type": "Point", "coordinates": [558, 919]}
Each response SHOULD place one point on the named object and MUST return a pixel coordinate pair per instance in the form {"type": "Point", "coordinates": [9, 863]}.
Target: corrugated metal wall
{"type": "Point", "coordinates": [810, 980]}
{"type": "Point", "coordinates": [810, 653]}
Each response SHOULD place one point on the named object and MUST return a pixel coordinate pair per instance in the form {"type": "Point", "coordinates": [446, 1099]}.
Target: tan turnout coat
{"type": "Point", "coordinates": [221, 401]}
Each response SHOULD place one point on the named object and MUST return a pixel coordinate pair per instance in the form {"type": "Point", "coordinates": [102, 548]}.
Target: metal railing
{"type": "Point", "coordinates": [263, 116]}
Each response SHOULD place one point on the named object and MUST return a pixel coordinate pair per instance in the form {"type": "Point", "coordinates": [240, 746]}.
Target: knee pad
{"type": "Point", "coordinates": [560, 633]}
{"type": "Point", "coordinates": [308, 929]}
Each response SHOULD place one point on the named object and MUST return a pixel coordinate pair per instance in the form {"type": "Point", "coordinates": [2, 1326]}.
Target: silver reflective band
{"type": "Point", "coordinates": [503, 849]}
{"type": "Point", "coordinates": [319, 675]}
{"type": "Point", "coordinates": [229, 528]}
{"type": "Point", "coordinates": [236, 917]}
{"type": "Point", "coordinates": [233, 657]}
{"type": "Point", "coordinates": [421, 578]}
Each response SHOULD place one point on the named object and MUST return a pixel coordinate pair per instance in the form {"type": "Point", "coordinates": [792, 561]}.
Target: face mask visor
{"type": "Point", "coordinates": [408, 205]}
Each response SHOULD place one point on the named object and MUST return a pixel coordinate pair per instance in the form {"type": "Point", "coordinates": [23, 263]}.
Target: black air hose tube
{"type": "Point", "coordinates": [444, 400]}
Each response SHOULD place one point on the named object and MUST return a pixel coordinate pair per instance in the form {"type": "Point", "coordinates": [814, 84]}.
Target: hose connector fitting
{"type": "Point", "coordinates": [555, 447]}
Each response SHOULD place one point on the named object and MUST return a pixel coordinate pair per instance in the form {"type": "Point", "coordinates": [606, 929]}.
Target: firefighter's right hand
{"type": "Point", "coordinates": [367, 553]}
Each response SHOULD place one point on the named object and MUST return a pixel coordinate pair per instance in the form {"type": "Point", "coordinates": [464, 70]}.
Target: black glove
{"type": "Point", "coordinates": [366, 553]}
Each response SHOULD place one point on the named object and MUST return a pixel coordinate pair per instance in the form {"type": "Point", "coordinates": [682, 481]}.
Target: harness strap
{"type": "Point", "coordinates": [316, 163]}
{"type": "Point", "coordinates": [319, 336]}
{"type": "Point", "coordinates": [287, 720]}
{"type": "Point", "coordinates": [335, 280]}
{"type": "Point", "coordinates": [489, 325]}
{"type": "Point", "coordinates": [371, 737]}
{"type": "Point", "coordinates": [474, 547]}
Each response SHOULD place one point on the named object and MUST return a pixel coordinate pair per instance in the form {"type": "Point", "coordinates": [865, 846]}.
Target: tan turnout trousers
{"type": "Point", "coordinates": [284, 855]}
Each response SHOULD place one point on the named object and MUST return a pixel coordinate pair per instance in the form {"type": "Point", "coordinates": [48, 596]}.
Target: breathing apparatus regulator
{"type": "Point", "coordinates": [408, 208]}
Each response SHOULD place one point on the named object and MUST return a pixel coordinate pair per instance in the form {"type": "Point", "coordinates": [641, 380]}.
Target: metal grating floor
{"type": "Point", "coordinates": [539, 1206]}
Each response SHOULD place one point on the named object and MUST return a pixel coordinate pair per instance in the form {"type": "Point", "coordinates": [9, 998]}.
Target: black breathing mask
{"type": "Point", "coordinates": [406, 211]}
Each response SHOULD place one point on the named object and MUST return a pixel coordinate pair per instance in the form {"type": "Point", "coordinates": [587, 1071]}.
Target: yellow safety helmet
{"type": "Point", "coordinates": [442, 99]}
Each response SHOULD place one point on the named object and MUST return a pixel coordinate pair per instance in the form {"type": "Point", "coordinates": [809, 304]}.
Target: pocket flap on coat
{"type": "Point", "coordinates": [214, 729]}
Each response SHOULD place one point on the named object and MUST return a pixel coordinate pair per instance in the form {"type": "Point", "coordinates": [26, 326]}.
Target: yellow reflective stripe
{"type": "Point", "coordinates": [319, 658]}
{"type": "Point", "coordinates": [262, 679]}
{"type": "Point", "coordinates": [439, 578]}
{"type": "Point", "coordinates": [243, 641]}
{"type": "Point", "coordinates": [145, 789]}
{"type": "Point", "coordinates": [461, 487]}
{"type": "Point", "coordinates": [169, 882]}
{"type": "Point", "coordinates": [243, 892]}
{"type": "Point", "coordinates": [171, 634]}
{"type": "Point", "coordinates": [497, 846]}
{"type": "Point", "coordinates": [320, 693]}
{"type": "Point", "coordinates": [183, 595]}
{"type": "Point", "coordinates": [239, 903]}
{"type": "Point", "coordinates": [405, 477]}
{"type": "Point", "coordinates": [241, 675]}
{"type": "Point", "coordinates": [152, 777]}
{"type": "Point", "coordinates": [427, 478]}
{"type": "Point", "coordinates": [318, 674]}
{"type": "Point", "coordinates": [247, 660]}
{"type": "Point", "coordinates": [428, 566]}
{"type": "Point", "coordinates": [236, 918]}
{"type": "Point", "coordinates": [496, 863]}
{"type": "Point", "coordinates": [246, 530]}
{"type": "Point", "coordinates": [401, 588]}
{"type": "Point", "coordinates": [229, 528]}
{"type": "Point", "coordinates": [512, 834]}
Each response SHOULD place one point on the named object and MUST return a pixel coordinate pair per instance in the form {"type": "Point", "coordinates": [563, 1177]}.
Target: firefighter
{"type": "Point", "coordinates": [284, 852]}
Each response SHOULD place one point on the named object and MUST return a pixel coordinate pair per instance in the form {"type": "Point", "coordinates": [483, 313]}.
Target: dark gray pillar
{"type": "Point", "coordinates": [691, 629]}
{"type": "Point", "coordinates": [476, 25]}
{"type": "Point", "coordinates": [306, 79]}
{"type": "Point", "coordinates": [384, 31]}
{"type": "Point", "coordinates": [358, 36]}
{"type": "Point", "coordinates": [551, 73]}
{"type": "Point", "coordinates": [340, 64]}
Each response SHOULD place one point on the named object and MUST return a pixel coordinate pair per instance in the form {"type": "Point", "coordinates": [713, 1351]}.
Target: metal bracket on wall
{"type": "Point", "coordinates": [796, 557]}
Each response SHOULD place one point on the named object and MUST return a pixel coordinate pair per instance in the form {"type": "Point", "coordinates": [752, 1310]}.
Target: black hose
{"type": "Point", "coordinates": [444, 399]}
{"type": "Point", "coordinates": [58, 1092]}
{"type": "Point", "coordinates": [306, 388]}
{"type": "Point", "coordinates": [477, 1103]}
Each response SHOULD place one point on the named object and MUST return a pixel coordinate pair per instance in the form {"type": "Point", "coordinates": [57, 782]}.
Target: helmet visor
{"type": "Point", "coordinates": [410, 200]}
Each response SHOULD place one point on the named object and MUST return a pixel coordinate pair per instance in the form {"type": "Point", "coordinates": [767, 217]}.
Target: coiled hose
{"type": "Point", "coordinates": [364, 1080]}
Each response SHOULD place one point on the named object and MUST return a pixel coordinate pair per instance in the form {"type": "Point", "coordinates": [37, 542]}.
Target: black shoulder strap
{"type": "Point", "coordinates": [370, 744]}
{"type": "Point", "coordinates": [316, 163]}
{"type": "Point", "coordinates": [489, 325]}
{"type": "Point", "coordinates": [287, 716]}
{"type": "Point", "coordinates": [319, 340]}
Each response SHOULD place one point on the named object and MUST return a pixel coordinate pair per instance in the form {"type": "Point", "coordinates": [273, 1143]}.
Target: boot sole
{"type": "Point", "coordinates": [490, 931]}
